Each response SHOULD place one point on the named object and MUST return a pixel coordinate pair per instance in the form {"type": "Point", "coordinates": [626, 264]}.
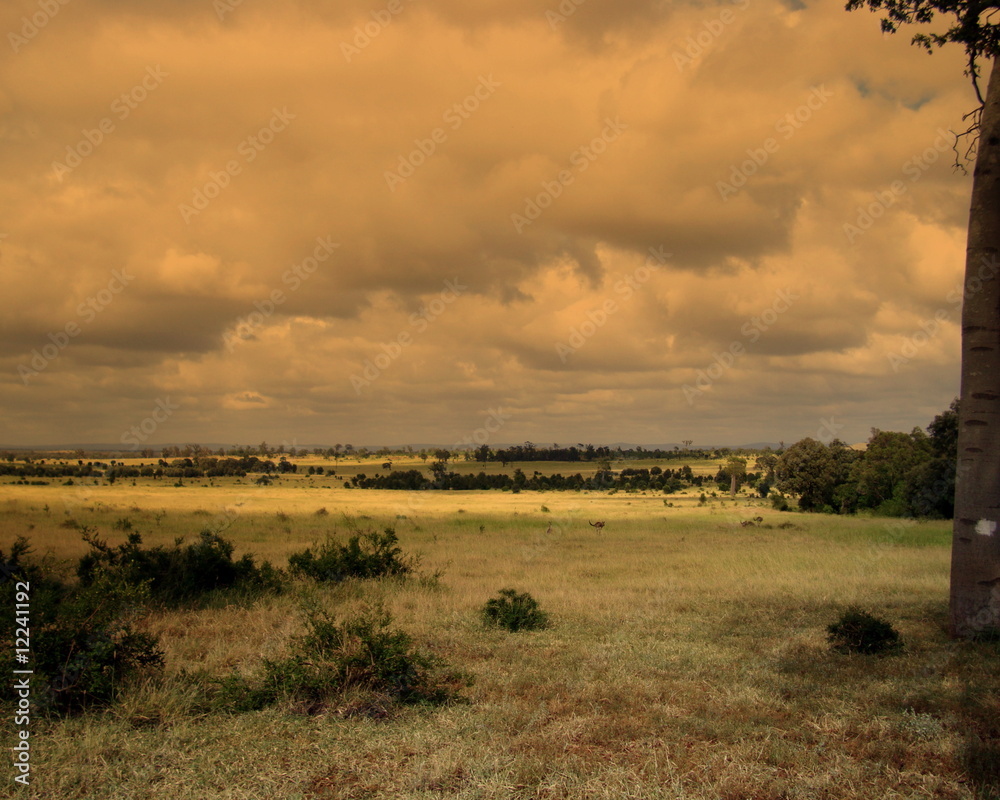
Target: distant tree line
{"type": "Point", "coordinates": [199, 467]}
{"type": "Point", "coordinates": [652, 479]}
{"type": "Point", "coordinates": [583, 452]}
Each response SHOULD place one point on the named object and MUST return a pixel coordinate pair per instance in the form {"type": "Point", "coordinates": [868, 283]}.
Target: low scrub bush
{"type": "Point", "coordinates": [84, 646]}
{"type": "Point", "coordinates": [779, 502]}
{"type": "Point", "coordinates": [334, 662]}
{"type": "Point", "coordinates": [514, 611]}
{"type": "Point", "coordinates": [179, 574]}
{"type": "Point", "coordinates": [857, 631]}
{"type": "Point", "coordinates": [367, 554]}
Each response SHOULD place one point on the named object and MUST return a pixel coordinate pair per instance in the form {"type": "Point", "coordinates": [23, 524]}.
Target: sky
{"type": "Point", "coordinates": [474, 221]}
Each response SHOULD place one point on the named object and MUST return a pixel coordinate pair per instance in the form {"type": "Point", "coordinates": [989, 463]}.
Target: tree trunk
{"type": "Point", "coordinates": [975, 562]}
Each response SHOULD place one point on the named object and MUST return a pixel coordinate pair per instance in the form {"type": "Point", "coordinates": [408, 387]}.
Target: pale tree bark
{"type": "Point", "coordinates": [975, 564]}
{"type": "Point", "coordinates": [737, 469]}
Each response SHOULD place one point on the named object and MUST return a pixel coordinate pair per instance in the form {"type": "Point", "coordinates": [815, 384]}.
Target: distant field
{"type": "Point", "coordinates": [687, 656]}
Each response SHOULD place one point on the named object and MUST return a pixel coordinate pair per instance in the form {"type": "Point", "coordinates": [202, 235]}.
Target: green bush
{"type": "Point", "coordinates": [367, 554]}
{"type": "Point", "coordinates": [333, 659]}
{"type": "Point", "coordinates": [177, 575]}
{"type": "Point", "coordinates": [83, 642]}
{"type": "Point", "coordinates": [857, 631]}
{"type": "Point", "coordinates": [515, 612]}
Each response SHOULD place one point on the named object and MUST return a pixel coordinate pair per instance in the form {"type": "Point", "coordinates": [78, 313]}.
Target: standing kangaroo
{"type": "Point", "coordinates": [599, 524]}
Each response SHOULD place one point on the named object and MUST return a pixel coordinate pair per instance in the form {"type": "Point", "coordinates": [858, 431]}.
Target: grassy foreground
{"type": "Point", "coordinates": [686, 659]}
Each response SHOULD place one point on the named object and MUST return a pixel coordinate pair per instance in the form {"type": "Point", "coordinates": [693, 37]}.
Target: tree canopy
{"type": "Point", "coordinates": [970, 27]}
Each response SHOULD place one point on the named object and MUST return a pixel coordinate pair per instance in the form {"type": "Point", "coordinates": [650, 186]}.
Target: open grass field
{"type": "Point", "coordinates": [687, 655]}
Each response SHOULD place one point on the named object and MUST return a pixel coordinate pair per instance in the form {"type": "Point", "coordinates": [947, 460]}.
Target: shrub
{"type": "Point", "coordinates": [178, 574]}
{"type": "Point", "coordinates": [84, 645]}
{"type": "Point", "coordinates": [367, 554]}
{"type": "Point", "coordinates": [858, 631]}
{"type": "Point", "coordinates": [514, 611]}
{"type": "Point", "coordinates": [331, 660]}
{"type": "Point", "coordinates": [87, 648]}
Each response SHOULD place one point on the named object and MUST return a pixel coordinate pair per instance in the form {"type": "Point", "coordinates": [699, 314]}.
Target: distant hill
{"type": "Point", "coordinates": [213, 446]}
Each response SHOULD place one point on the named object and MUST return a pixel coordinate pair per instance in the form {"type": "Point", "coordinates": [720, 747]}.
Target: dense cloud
{"type": "Point", "coordinates": [374, 223]}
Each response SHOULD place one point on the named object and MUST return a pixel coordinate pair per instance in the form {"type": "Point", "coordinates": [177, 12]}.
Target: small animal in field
{"type": "Point", "coordinates": [746, 523]}
{"type": "Point", "coordinates": [599, 524]}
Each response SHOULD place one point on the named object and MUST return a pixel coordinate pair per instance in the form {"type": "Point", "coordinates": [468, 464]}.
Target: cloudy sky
{"type": "Point", "coordinates": [381, 222]}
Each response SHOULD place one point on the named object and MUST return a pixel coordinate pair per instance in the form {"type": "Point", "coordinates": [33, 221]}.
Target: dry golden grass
{"type": "Point", "coordinates": [686, 659]}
